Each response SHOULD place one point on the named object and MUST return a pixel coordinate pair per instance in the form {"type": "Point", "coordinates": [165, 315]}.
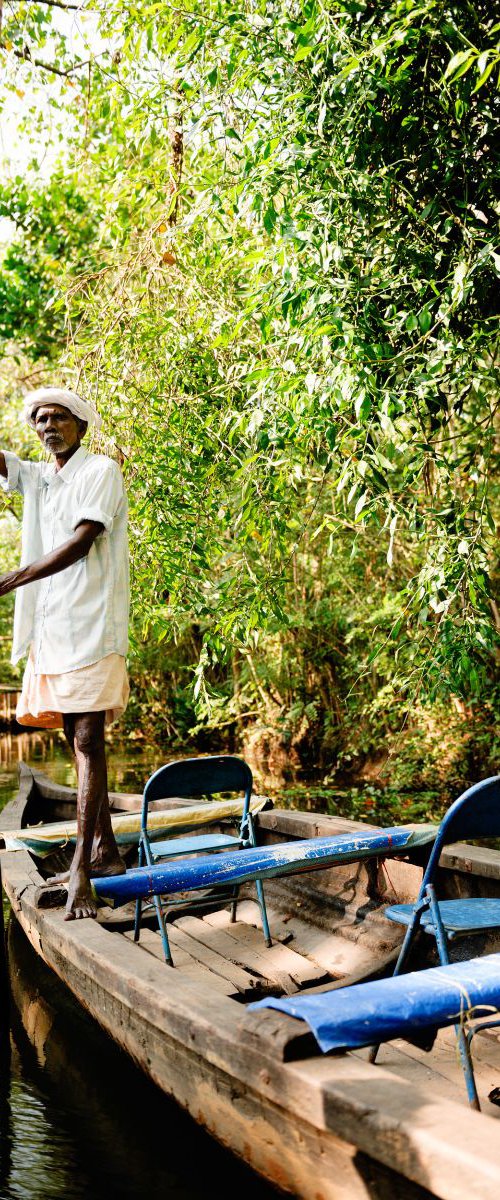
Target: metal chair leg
{"type": "Point", "coordinates": [137, 920]}
{"type": "Point", "coordinates": [138, 903]}
{"type": "Point", "coordinates": [263, 911]}
{"type": "Point", "coordinates": [467, 1067]}
{"type": "Point", "coordinates": [258, 886]}
{"type": "Point", "coordinates": [462, 1040]}
{"type": "Point", "coordinates": [234, 904]}
{"type": "Point", "coordinates": [163, 932]}
{"type": "Point", "coordinates": [402, 957]}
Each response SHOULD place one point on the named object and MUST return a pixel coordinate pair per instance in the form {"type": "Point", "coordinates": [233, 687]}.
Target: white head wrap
{"type": "Point", "coordinates": [52, 395]}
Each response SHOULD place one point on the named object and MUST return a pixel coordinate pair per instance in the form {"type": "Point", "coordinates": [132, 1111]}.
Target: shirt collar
{"type": "Point", "coordinates": [68, 471]}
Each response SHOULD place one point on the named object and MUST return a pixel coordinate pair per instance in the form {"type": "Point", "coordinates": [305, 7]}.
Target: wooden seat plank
{"type": "Point", "coordinates": [332, 953]}
{"type": "Point", "coordinates": [324, 951]}
{"type": "Point", "coordinates": [211, 958]}
{"type": "Point", "coordinates": [300, 968]}
{"type": "Point", "coordinates": [190, 967]}
{"type": "Point", "coordinates": [227, 943]}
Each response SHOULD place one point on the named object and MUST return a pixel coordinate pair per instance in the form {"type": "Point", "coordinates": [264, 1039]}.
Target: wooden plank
{"type": "Point", "coordinates": [290, 823]}
{"type": "Point", "coordinates": [304, 1118]}
{"type": "Point", "coordinates": [443, 1069]}
{"type": "Point", "coordinates": [118, 801]}
{"type": "Point", "coordinates": [299, 968]}
{"type": "Point", "coordinates": [211, 958]}
{"type": "Point", "coordinates": [228, 945]}
{"type": "Point", "coordinates": [329, 954]}
{"type": "Point", "coordinates": [13, 813]}
{"type": "Point", "coordinates": [472, 860]}
{"type": "Point", "coordinates": [248, 914]}
{"type": "Point", "coordinates": [284, 1037]}
{"type": "Point", "coordinates": [190, 967]}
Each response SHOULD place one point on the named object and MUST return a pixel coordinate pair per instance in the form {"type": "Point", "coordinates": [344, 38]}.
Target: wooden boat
{"type": "Point", "coordinates": [319, 1127]}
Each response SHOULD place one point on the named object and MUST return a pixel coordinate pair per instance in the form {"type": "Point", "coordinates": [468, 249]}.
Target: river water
{"type": "Point", "coordinates": [77, 1119]}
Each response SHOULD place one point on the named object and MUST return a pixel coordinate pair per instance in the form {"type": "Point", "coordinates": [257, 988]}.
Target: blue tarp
{"type": "Point", "coordinates": [261, 862]}
{"type": "Point", "coordinates": [368, 1013]}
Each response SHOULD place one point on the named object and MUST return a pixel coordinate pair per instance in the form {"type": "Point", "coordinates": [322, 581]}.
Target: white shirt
{"type": "Point", "coordinates": [76, 617]}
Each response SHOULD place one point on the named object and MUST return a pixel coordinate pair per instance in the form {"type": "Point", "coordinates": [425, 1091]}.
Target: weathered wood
{"type": "Point", "coordinates": [4, 989]}
{"type": "Point", "coordinates": [306, 1118]}
{"type": "Point", "coordinates": [289, 823]}
{"type": "Point", "coordinates": [332, 954]}
{"type": "Point", "coordinates": [249, 940]}
{"type": "Point", "coordinates": [284, 1038]}
{"type": "Point", "coordinates": [472, 860]}
{"type": "Point", "coordinates": [229, 945]}
{"type": "Point", "coordinates": [318, 1127]}
{"type": "Point", "coordinates": [190, 966]}
{"type": "Point", "coordinates": [118, 801]}
{"type": "Point", "coordinates": [14, 813]}
{"type": "Point", "coordinates": [440, 1070]}
{"type": "Point", "coordinates": [239, 978]}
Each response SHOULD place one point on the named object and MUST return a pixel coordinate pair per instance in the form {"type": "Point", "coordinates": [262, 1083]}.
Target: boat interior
{"type": "Point", "coordinates": [328, 930]}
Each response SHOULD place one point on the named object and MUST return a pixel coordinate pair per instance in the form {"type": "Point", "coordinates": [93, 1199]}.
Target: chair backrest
{"type": "Point", "coordinates": [193, 777]}
{"type": "Point", "coordinates": [476, 814]}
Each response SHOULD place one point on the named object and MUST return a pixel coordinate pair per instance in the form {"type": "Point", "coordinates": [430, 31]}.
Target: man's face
{"type": "Point", "coordinates": [58, 429]}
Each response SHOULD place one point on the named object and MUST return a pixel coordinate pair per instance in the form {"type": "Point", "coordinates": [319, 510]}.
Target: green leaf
{"type": "Point", "coordinates": [360, 503]}
{"type": "Point", "coordinates": [302, 52]}
{"type": "Point", "coordinates": [269, 218]}
{"type": "Point", "coordinates": [459, 64]}
{"type": "Point", "coordinates": [425, 320]}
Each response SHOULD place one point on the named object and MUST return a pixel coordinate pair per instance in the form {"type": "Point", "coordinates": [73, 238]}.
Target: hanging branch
{"type": "Point", "coordinates": [50, 4]}
{"type": "Point", "coordinates": [26, 56]}
{"type": "Point", "coordinates": [177, 143]}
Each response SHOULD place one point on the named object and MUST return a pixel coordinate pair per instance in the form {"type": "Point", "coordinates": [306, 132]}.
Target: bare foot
{"type": "Point", "coordinates": [98, 867]}
{"type": "Point", "coordinates": [61, 879]}
{"type": "Point", "coordinates": [80, 902]}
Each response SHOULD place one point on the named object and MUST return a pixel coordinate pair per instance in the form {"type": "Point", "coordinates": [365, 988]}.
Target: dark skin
{"type": "Point", "coordinates": [96, 850]}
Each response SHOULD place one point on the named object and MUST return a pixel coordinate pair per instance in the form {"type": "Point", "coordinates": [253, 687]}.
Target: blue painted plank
{"type": "Point", "coordinates": [261, 862]}
{"type": "Point", "coordinates": [368, 1013]}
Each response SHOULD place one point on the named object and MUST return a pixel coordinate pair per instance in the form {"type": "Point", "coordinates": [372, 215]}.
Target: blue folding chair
{"type": "Point", "coordinates": [186, 779]}
{"type": "Point", "coordinates": [476, 814]}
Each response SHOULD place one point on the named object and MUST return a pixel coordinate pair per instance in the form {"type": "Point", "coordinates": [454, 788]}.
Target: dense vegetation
{"type": "Point", "coordinates": [267, 251]}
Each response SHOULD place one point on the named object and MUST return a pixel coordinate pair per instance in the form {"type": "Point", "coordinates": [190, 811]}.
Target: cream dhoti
{"type": "Point", "coordinates": [101, 687]}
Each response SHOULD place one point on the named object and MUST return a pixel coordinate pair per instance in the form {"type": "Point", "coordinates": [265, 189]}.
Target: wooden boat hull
{"type": "Point", "coordinates": [322, 1128]}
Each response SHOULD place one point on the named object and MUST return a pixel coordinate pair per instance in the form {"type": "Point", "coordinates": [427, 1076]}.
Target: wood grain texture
{"type": "Point", "coordinates": [298, 1123]}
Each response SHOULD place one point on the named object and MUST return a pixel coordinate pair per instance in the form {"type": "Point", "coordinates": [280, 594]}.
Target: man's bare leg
{"type": "Point", "coordinates": [105, 858]}
{"type": "Point", "coordinates": [92, 808]}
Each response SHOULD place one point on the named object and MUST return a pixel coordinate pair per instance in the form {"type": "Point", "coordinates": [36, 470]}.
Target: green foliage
{"type": "Point", "coordinates": [290, 325]}
{"type": "Point", "coordinates": [56, 235]}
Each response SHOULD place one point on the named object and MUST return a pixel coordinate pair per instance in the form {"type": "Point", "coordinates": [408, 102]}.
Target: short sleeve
{"type": "Point", "coordinates": [100, 494]}
{"type": "Point", "coordinates": [13, 481]}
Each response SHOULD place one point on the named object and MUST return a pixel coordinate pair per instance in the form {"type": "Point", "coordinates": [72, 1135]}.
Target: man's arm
{"type": "Point", "coordinates": [64, 556]}
{"type": "Point", "coordinates": [3, 465]}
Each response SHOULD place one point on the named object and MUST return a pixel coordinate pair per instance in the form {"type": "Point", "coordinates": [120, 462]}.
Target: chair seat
{"type": "Point", "coordinates": [458, 916]}
{"type": "Point", "coordinates": [189, 845]}
{"type": "Point", "coordinates": [378, 1011]}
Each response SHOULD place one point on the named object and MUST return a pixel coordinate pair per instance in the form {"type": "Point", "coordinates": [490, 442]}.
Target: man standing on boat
{"type": "Point", "coordinates": [71, 613]}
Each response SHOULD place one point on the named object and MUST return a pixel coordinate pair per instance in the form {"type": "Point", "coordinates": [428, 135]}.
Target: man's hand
{"type": "Point", "coordinates": [9, 582]}
{"type": "Point", "coordinates": [64, 556]}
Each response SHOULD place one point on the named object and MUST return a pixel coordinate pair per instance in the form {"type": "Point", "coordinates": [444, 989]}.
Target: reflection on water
{"type": "Point", "coordinates": [128, 768]}
{"type": "Point", "coordinates": [77, 1120]}
{"type": "Point", "coordinates": [39, 749]}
